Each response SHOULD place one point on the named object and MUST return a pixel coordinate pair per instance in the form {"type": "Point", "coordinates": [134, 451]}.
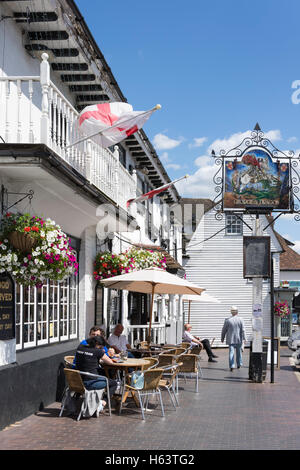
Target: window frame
{"type": "Point", "coordinates": [237, 222]}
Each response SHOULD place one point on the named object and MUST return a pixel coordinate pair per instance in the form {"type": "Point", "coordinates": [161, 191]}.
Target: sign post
{"type": "Point", "coordinates": [256, 178]}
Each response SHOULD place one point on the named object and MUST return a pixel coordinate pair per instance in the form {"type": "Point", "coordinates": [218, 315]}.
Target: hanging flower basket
{"type": "Point", "coordinates": [281, 309]}
{"type": "Point", "coordinates": [33, 249]}
{"type": "Point", "coordinates": [22, 241]}
{"type": "Point", "coordinates": [108, 265]}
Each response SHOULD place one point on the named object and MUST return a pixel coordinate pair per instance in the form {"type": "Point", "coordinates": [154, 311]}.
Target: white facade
{"type": "Point", "coordinates": [217, 266]}
{"type": "Point", "coordinates": [37, 113]}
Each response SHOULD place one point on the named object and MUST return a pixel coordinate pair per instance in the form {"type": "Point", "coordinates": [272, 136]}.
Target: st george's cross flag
{"type": "Point", "coordinates": [154, 192]}
{"type": "Point", "coordinates": [109, 123]}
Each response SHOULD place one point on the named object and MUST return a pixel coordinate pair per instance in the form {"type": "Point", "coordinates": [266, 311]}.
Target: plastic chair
{"type": "Point", "coordinates": [75, 384]}
{"type": "Point", "coordinates": [151, 387]}
{"type": "Point", "coordinates": [190, 365]}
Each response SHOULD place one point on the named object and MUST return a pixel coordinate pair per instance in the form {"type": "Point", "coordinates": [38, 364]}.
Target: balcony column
{"type": "Point", "coordinates": [89, 162]}
{"type": "Point", "coordinates": [116, 174]}
{"type": "Point", "coordinates": [45, 84]}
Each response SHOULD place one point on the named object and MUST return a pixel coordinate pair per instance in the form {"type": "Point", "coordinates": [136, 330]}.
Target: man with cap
{"type": "Point", "coordinates": [234, 330]}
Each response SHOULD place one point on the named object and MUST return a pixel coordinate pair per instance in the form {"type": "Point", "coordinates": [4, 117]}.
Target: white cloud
{"type": "Point", "coordinates": [165, 157]}
{"type": "Point", "coordinates": [198, 142]}
{"type": "Point", "coordinates": [292, 139]}
{"type": "Point", "coordinates": [173, 166]}
{"type": "Point", "coordinates": [200, 184]}
{"type": "Point", "coordinates": [236, 139]}
{"type": "Point", "coordinates": [163, 142]}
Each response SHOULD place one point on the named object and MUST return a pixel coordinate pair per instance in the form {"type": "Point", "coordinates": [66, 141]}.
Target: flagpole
{"type": "Point", "coordinates": [130, 201]}
{"type": "Point", "coordinates": [158, 106]}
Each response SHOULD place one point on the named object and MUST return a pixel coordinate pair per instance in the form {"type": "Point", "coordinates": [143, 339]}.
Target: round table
{"type": "Point", "coordinates": [130, 363]}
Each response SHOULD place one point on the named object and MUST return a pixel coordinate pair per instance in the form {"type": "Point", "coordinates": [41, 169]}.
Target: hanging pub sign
{"type": "Point", "coordinates": [7, 307]}
{"type": "Point", "coordinates": [255, 181]}
{"type": "Point", "coordinates": [257, 256]}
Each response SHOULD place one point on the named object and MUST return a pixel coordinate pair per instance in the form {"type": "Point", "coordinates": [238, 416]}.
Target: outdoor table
{"type": "Point", "coordinates": [145, 352]}
{"type": "Point", "coordinates": [130, 363]}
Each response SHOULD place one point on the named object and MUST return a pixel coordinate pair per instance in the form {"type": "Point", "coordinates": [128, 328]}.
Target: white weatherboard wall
{"type": "Point", "coordinates": [217, 266]}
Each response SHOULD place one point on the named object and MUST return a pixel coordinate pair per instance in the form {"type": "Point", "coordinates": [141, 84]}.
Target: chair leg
{"type": "Point", "coordinates": [108, 401]}
{"type": "Point", "coordinates": [170, 395]}
{"type": "Point", "coordinates": [175, 397]}
{"type": "Point", "coordinates": [141, 405]}
{"type": "Point", "coordinates": [121, 404]}
{"type": "Point", "coordinates": [63, 401]}
{"type": "Point", "coordinates": [161, 403]}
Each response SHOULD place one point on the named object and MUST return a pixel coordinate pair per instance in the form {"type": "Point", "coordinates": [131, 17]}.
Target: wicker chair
{"type": "Point", "coordinates": [151, 387]}
{"type": "Point", "coordinates": [166, 360]}
{"type": "Point", "coordinates": [153, 362]}
{"type": "Point", "coordinates": [169, 383]}
{"type": "Point", "coordinates": [68, 360]}
{"type": "Point", "coordinates": [75, 384]}
{"type": "Point", "coordinates": [190, 365]}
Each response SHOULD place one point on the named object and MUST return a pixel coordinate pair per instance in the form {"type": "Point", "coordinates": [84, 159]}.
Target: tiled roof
{"type": "Point", "coordinates": [289, 258]}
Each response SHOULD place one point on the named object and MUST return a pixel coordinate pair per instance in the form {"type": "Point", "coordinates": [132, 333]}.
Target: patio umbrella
{"type": "Point", "coordinates": [204, 297]}
{"type": "Point", "coordinates": [152, 281]}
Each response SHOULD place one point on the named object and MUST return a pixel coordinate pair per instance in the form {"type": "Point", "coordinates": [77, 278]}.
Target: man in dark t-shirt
{"type": "Point", "coordinates": [87, 360]}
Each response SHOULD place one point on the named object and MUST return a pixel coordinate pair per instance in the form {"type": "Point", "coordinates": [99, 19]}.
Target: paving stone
{"type": "Point", "coordinates": [229, 412]}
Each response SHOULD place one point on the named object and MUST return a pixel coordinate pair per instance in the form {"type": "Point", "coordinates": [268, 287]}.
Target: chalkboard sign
{"type": "Point", "coordinates": [257, 257]}
{"type": "Point", "coordinates": [7, 307]}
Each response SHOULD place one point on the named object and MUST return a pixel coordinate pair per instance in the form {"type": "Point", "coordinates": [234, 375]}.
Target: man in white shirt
{"type": "Point", "coordinates": [195, 341]}
{"type": "Point", "coordinates": [118, 341]}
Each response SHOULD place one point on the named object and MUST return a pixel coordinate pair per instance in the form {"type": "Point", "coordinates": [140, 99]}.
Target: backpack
{"type": "Point", "coordinates": [137, 380]}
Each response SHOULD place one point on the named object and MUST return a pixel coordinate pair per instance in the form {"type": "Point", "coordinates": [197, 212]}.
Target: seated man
{"type": "Point", "coordinates": [87, 360]}
{"type": "Point", "coordinates": [119, 341]}
{"type": "Point", "coordinates": [94, 331]}
{"type": "Point", "coordinates": [195, 341]}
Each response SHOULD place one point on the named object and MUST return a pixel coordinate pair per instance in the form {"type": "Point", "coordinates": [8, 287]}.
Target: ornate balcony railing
{"type": "Point", "coordinates": [33, 110]}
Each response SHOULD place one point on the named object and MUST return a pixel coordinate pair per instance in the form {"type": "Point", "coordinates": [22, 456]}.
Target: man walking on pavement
{"type": "Point", "coordinates": [234, 330]}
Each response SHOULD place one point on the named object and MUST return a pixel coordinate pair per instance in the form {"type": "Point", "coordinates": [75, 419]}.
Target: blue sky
{"type": "Point", "coordinates": [216, 68]}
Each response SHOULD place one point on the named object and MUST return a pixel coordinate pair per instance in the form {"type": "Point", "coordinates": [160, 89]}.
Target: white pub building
{"type": "Point", "coordinates": [50, 69]}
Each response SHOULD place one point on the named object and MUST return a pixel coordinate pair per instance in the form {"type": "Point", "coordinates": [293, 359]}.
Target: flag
{"type": "Point", "coordinates": [109, 123]}
{"type": "Point", "coordinates": [154, 192]}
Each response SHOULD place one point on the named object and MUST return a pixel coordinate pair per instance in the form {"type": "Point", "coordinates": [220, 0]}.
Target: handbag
{"type": "Point", "coordinates": [137, 380]}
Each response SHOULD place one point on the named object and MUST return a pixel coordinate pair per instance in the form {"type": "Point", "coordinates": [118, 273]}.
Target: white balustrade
{"type": "Point", "coordinates": [33, 110]}
{"type": "Point", "coordinates": [137, 333]}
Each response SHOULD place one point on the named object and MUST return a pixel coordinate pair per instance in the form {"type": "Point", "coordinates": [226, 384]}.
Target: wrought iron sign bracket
{"type": "Point", "coordinates": [286, 162]}
{"type": "Point", "coordinates": [5, 194]}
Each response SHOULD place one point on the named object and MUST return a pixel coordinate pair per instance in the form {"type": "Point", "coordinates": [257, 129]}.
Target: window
{"type": "Point", "coordinates": [234, 225]}
{"type": "Point", "coordinates": [48, 314]}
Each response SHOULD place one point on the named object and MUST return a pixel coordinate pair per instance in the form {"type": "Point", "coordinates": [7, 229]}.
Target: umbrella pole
{"type": "Point", "coordinates": [150, 319]}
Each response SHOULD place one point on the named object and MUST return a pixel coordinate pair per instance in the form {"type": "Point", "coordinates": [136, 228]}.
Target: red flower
{"type": "Point", "coordinates": [27, 229]}
{"type": "Point", "coordinates": [8, 214]}
{"type": "Point", "coordinates": [35, 228]}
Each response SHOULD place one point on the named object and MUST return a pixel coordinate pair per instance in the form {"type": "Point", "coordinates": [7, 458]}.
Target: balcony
{"type": "Point", "coordinates": [34, 111]}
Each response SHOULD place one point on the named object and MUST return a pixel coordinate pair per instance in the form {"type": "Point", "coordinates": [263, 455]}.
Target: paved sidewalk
{"type": "Point", "coordinates": [229, 412]}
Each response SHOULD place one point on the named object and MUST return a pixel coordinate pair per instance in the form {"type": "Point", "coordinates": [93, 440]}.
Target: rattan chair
{"type": "Point", "coordinates": [68, 360]}
{"type": "Point", "coordinates": [169, 383]}
{"type": "Point", "coordinates": [75, 384]}
{"type": "Point", "coordinates": [153, 362]}
{"type": "Point", "coordinates": [151, 387]}
{"type": "Point", "coordinates": [190, 365]}
{"type": "Point", "coordinates": [166, 360]}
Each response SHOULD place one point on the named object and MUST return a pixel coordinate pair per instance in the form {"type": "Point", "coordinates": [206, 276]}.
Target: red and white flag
{"type": "Point", "coordinates": [109, 123]}
{"type": "Point", "coordinates": [154, 192]}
